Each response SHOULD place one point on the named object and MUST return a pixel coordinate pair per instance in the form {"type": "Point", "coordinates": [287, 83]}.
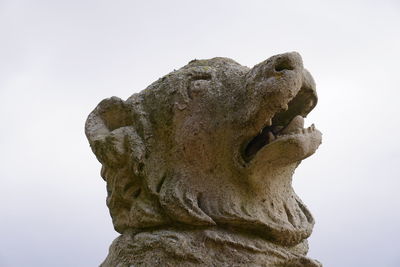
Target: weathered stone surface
{"type": "Point", "coordinates": [199, 165]}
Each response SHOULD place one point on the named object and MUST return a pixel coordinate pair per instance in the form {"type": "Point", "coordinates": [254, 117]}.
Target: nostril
{"type": "Point", "coordinates": [283, 63]}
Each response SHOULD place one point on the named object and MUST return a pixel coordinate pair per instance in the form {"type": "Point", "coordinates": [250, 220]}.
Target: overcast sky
{"type": "Point", "coordinates": [58, 59]}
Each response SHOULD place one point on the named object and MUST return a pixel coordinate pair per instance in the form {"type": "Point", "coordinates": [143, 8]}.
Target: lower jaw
{"type": "Point", "coordinates": [288, 148]}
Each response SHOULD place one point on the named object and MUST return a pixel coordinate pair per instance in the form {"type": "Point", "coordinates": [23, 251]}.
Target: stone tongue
{"type": "Point", "coordinates": [296, 123]}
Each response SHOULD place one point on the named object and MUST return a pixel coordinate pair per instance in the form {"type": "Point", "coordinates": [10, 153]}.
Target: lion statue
{"type": "Point", "coordinates": [199, 165]}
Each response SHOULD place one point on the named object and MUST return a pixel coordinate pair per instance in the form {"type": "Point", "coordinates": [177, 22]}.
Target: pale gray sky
{"type": "Point", "coordinates": [58, 59]}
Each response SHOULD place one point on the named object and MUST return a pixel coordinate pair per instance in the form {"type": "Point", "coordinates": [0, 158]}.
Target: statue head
{"type": "Point", "coordinates": [213, 143]}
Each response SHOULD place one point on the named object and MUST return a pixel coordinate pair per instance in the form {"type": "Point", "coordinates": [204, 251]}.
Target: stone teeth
{"type": "Point", "coordinates": [296, 123]}
{"type": "Point", "coordinates": [268, 122]}
{"type": "Point", "coordinates": [271, 137]}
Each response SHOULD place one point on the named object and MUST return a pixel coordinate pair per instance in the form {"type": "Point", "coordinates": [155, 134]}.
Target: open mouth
{"type": "Point", "coordinates": [284, 123]}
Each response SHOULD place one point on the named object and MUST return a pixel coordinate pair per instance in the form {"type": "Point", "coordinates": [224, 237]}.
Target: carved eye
{"type": "Point", "coordinates": [199, 84]}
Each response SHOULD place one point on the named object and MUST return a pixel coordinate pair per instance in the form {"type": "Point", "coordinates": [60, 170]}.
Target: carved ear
{"type": "Point", "coordinates": [112, 135]}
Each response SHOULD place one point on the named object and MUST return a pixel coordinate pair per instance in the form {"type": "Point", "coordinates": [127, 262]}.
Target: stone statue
{"type": "Point", "coordinates": [199, 165]}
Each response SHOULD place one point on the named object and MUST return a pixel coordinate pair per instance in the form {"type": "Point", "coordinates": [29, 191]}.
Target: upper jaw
{"type": "Point", "coordinates": [271, 85]}
{"type": "Point", "coordinates": [301, 104]}
{"type": "Point", "coordinates": [295, 100]}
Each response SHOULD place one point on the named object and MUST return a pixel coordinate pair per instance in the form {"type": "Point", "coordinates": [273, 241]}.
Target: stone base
{"type": "Point", "coordinates": [203, 247]}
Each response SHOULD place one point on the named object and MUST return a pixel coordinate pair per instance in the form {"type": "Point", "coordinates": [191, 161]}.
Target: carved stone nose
{"type": "Point", "coordinates": [288, 61]}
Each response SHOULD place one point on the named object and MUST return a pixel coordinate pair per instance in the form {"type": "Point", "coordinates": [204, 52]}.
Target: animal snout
{"type": "Point", "coordinates": [288, 61]}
